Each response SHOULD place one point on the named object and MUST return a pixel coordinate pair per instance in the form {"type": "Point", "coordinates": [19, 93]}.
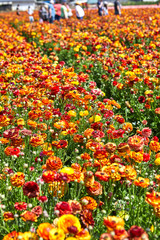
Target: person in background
{"type": "Point", "coordinates": [105, 8]}
{"type": "Point", "coordinates": [69, 11]}
{"type": "Point", "coordinates": [17, 10]}
{"type": "Point", "coordinates": [57, 7]}
{"type": "Point", "coordinates": [100, 7]}
{"type": "Point", "coordinates": [64, 12]}
{"type": "Point", "coordinates": [30, 13]}
{"type": "Point", "coordinates": [51, 13]}
{"type": "Point", "coordinates": [117, 7]}
{"type": "Point", "coordinates": [43, 15]}
{"type": "Point", "coordinates": [79, 11]}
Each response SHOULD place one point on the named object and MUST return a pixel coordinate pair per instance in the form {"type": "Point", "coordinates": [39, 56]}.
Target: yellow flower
{"type": "Point", "coordinates": [68, 220]}
{"type": "Point", "coordinates": [83, 113]}
{"type": "Point", "coordinates": [67, 170]}
{"type": "Point", "coordinates": [95, 118]}
{"type": "Point", "coordinates": [29, 235]}
{"type": "Point", "coordinates": [157, 161]}
{"type": "Point", "coordinates": [20, 121]}
{"type": "Point", "coordinates": [72, 113]}
{"type": "Point", "coordinates": [56, 234]}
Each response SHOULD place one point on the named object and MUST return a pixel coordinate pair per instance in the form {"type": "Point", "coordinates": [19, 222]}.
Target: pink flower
{"type": "Point", "coordinates": [146, 132]}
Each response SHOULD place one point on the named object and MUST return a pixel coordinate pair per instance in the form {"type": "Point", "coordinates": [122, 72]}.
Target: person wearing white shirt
{"type": "Point", "coordinates": [79, 11]}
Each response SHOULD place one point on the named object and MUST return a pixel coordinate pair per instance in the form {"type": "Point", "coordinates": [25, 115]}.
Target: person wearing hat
{"type": "Point", "coordinates": [79, 11]}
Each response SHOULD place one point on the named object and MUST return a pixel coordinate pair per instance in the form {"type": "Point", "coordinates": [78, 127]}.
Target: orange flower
{"type": "Point", "coordinates": [62, 124]}
{"type": "Point", "coordinates": [88, 178]}
{"type": "Point", "coordinates": [53, 163]}
{"type": "Point", "coordinates": [4, 140]}
{"type": "Point", "coordinates": [95, 189]}
{"type": "Point", "coordinates": [83, 235]}
{"type": "Point", "coordinates": [29, 216]}
{"type": "Point", "coordinates": [78, 138]}
{"type": "Point", "coordinates": [12, 236]}
{"type": "Point", "coordinates": [110, 147]}
{"type": "Point", "coordinates": [88, 203]}
{"type": "Point", "coordinates": [85, 156]}
{"type": "Point", "coordinates": [154, 146]}
{"type": "Point", "coordinates": [17, 180]}
{"type": "Point", "coordinates": [43, 230]}
{"type": "Point", "coordinates": [128, 172]}
{"type": "Point", "coordinates": [127, 127]}
{"type": "Point", "coordinates": [32, 124]}
{"type": "Point", "coordinates": [88, 132]}
{"type": "Point", "coordinates": [112, 223]}
{"type": "Point", "coordinates": [123, 147]}
{"type": "Point", "coordinates": [8, 216]}
{"type": "Point", "coordinates": [142, 182]}
{"type": "Point", "coordinates": [136, 156]}
{"type": "Point", "coordinates": [4, 121]}
{"type": "Point", "coordinates": [153, 198]}
{"type": "Point", "coordinates": [36, 141]}
{"type": "Point", "coordinates": [68, 220]}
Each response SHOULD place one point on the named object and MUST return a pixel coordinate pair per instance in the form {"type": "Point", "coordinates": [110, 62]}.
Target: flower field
{"type": "Point", "coordinates": [80, 127]}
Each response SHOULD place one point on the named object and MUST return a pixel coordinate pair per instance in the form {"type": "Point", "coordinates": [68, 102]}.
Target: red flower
{"type": "Point", "coordinates": [20, 206]}
{"type": "Point", "coordinates": [62, 208]}
{"type": "Point", "coordinates": [141, 99]}
{"type": "Point", "coordinates": [135, 231]}
{"type": "Point", "coordinates": [31, 189]}
{"type": "Point", "coordinates": [42, 199]}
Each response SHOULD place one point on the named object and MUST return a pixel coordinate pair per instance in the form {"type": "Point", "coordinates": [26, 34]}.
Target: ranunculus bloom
{"type": "Point", "coordinates": [8, 216]}
{"type": "Point", "coordinates": [13, 235]}
{"type": "Point", "coordinates": [154, 146]}
{"type": "Point", "coordinates": [43, 230]}
{"type": "Point", "coordinates": [37, 210]}
{"type": "Point", "coordinates": [113, 222]}
{"type": "Point", "coordinates": [136, 232]}
{"type": "Point", "coordinates": [88, 203]}
{"type": "Point", "coordinates": [56, 234]}
{"type": "Point", "coordinates": [18, 179]}
{"type": "Point", "coordinates": [95, 189]}
{"type": "Point", "coordinates": [29, 216]}
{"type": "Point", "coordinates": [31, 189]}
{"type": "Point", "coordinates": [63, 208]}
{"type": "Point", "coordinates": [141, 99]}
{"type": "Point", "coordinates": [68, 220]}
{"type": "Point", "coordinates": [146, 132]}
{"type": "Point", "coordinates": [75, 206]}
{"type": "Point", "coordinates": [53, 163]}
{"type": "Point", "coordinates": [153, 198]}
{"type": "Point", "coordinates": [20, 206]}
{"type": "Point", "coordinates": [142, 182]}
{"type": "Point", "coordinates": [136, 143]}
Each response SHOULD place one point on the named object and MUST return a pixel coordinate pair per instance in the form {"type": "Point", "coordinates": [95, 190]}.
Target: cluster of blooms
{"type": "Point", "coordinates": [68, 155]}
{"type": "Point", "coordinates": [125, 53]}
